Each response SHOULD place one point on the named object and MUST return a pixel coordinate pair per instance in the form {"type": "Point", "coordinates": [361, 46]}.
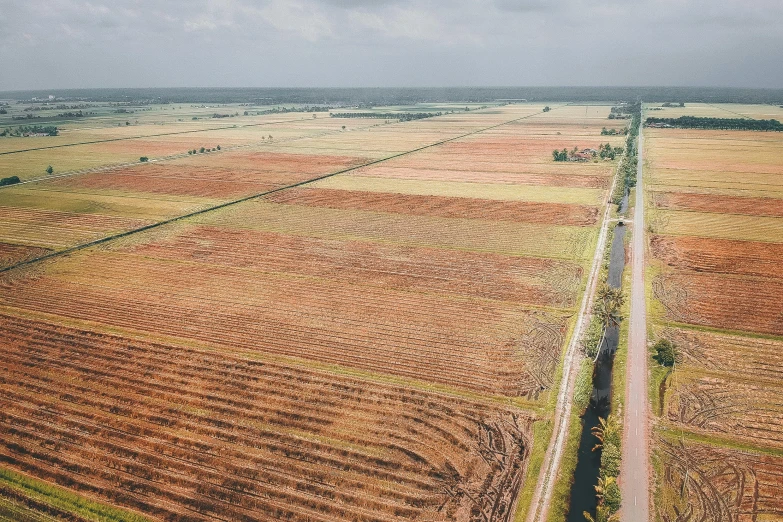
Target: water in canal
{"type": "Point", "coordinates": [588, 461]}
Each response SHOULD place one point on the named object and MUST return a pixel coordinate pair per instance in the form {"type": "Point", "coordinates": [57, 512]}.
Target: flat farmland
{"type": "Point", "coordinates": [216, 436]}
{"type": "Point", "coordinates": [705, 482]}
{"type": "Point", "coordinates": [144, 193]}
{"type": "Point", "coordinates": [359, 347]}
{"type": "Point", "coordinates": [153, 142]}
{"type": "Point", "coordinates": [715, 246]}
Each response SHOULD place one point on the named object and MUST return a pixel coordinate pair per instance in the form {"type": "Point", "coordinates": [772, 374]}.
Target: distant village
{"type": "Point", "coordinates": [604, 152]}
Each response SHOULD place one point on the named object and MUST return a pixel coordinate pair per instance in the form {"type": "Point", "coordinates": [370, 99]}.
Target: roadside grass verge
{"type": "Point", "coordinates": [561, 495]}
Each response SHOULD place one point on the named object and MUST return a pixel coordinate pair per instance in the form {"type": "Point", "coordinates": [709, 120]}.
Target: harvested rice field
{"type": "Point", "coordinates": [356, 319]}
{"type": "Point", "coordinates": [716, 221]}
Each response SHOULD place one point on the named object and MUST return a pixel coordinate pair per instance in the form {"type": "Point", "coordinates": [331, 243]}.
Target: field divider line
{"type": "Point", "coordinates": [171, 157]}
{"type": "Point", "coordinates": [254, 196]}
{"type": "Point", "coordinates": [145, 136]}
{"type": "Point", "coordinates": [542, 497]}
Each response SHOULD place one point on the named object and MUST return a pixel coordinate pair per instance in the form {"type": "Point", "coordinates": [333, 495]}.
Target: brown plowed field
{"type": "Point", "coordinates": [720, 203]}
{"type": "Point", "coordinates": [743, 357]}
{"type": "Point", "coordinates": [224, 175]}
{"type": "Point", "coordinates": [181, 434]}
{"type": "Point", "coordinates": [54, 229]}
{"type": "Point", "coordinates": [528, 239]}
{"type": "Point", "coordinates": [737, 409]}
{"type": "Point", "coordinates": [442, 206]}
{"type": "Point", "coordinates": [11, 254]}
{"type": "Point", "coordinates": [734, 303]}
{"type": "Point", "coordinates": [531, 280]}
{"type": "Point", "coordinates": [722, 256]}
{"type": "Point", "coordinates": [705, 483]}
{"type": "Point", "coordinates": [523, 146]}
{"type": "Point", "coordinates": [474, 176]}
{"type": "Point", "coordinates": [490, 346]}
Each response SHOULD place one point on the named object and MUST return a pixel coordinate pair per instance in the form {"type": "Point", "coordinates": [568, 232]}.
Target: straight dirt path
{"type": "Point", "coordinates": [542, 496]}
{"type": "Point", "coordinates": [635, 471]}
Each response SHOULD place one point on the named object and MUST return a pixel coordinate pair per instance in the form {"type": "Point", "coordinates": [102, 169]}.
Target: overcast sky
{"type": "Point", "coordinates": [309, 43]}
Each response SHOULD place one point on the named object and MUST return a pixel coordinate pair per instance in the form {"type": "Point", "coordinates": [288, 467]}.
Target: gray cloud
{"type": "Point", "coordinates": [75, 43]}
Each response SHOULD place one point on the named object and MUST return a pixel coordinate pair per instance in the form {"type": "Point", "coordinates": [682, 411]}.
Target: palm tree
{"type": "Point", "coordinates": [602, 487]}
{"type": "Point", "coordinates": [607, 309]}
{"type": "Point", "coordinates": [607, 428]}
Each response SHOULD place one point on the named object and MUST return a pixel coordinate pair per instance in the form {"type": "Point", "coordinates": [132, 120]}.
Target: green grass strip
{"type": "Point", "coordinates": [65, 500]}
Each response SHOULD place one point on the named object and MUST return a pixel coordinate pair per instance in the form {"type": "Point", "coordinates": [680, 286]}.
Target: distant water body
{"type": "Point", "coordinates": [398, 96]}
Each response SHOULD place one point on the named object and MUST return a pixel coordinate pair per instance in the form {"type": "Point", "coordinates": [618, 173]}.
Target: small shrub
{"type": "Point", "coordinates": [665, 352]}
{"type": "Point", "coordinates": [612, 497]}
{"type": "Point", "coordinates": [11, 180]}
{"type": "Point", "coordinates": [591, 338]}
{"type": "Point", "coordinates": [202, 149]}
{"type": "Point", "coordinates": [144, 159]}
{"type": "Point", "coordinates": [49, 170]}
{"type": "Point", "coordinates": [218, 147]}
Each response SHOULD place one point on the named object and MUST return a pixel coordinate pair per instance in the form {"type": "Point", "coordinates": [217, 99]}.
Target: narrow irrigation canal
{"type": "Point", "coordinates": [589, 461]}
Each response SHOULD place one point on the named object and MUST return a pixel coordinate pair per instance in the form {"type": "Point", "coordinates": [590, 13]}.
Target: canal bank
{"type": "Point", "coordinates": [588, 465]}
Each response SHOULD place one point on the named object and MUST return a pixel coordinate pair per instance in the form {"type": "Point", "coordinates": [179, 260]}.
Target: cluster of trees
{"type": "Point", "coordinates": [605, 151]}
{"type": "Point", "coordinates": [307, 108]}
{"type": "Point", "coordinates": [630, 161]}
{"type": "Point", "coordinates": [614, 132]}
{"type": "Point", "coordinates": [3, 110]}
{"type": "Point", "coordinates": [404, 116]}
{"type": "Point", "coordinates": [78, 114]}
{"type": "Point", "coordinates": [697, 122]}
{"type": "Point", "coordinates": [625, 111]}
{"type": "Point", "coordinates": [11, 180]}
{"type": "Point", "coordinates": [547, 108]}
{"type": "Point", "coordinates": [609, 435]}
{"type": "Point", "coordinates": [26, 130]}
{"type": "Point", "coordinates": [202, 150]}
{"type": "Point", "coordinates": [670, 104]}
{"type": "Point", "coordinates": [607, 313]}
{"type": "Point", "coordinates": [60, 107]}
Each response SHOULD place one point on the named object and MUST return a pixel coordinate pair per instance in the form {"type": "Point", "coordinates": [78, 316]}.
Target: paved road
{"type": "Point", "coordinates": [635, 472]}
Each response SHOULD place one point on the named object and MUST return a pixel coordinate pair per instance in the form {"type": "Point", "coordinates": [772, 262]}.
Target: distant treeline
{"type": "Point", "coordinates": [402, 116]}
{"type": "Point", "coordinates": [629, 163]}
{"type": "Point", "coordinates": [24, 130]}
{"type": "Point", "coordinates": [321, 108]}
{"type": "Point", "coordinates": [403, 96]}
{"type": "Point", "coordinates": [695, 122]}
